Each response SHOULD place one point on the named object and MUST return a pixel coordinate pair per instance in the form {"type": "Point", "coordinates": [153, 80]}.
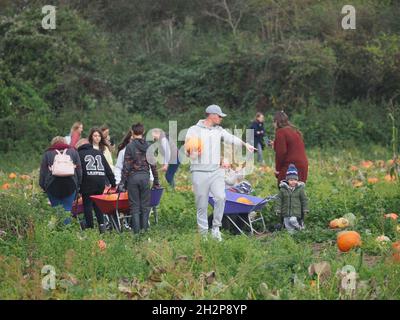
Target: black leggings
{"type": "Point", "coordinates": [88, 206]}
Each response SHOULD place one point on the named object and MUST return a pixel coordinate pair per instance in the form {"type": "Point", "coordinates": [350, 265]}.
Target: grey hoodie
{"type": "Point", "coordinates": [210, 158]}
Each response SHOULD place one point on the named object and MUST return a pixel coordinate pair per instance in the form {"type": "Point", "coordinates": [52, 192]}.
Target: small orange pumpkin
{"type": "Point", "coordinates": [12, 175]}
{"type": "Point", "coordinates": [102, 245]}
{"type": "Point", "coordinates": [373, 180]}
{"type": "Point", "coordinates": [389, 178]}
{"type": "Point", "coordinates": [5, 186]}
{"type": "Point", "coordinates": [25, 177]}
{"type": "Point", "coordinates": [357, 184]}
{"type": "Point", "coordinates": [396, 249]}
{"type": "Point", "coordinates": [244, 200]}
{"type": "Point", "coordinates": [348, 240]}
{"type": "Point", "coordinates": [353, 168]}
{"type": "Point", "coordinates": [392, 216]}
{"type": "Point", "coordinates": [367, 164]}
{"type": "Point", "coordinates": [334, 224]}
{"type": "Point", "coordinates": [396, 246]}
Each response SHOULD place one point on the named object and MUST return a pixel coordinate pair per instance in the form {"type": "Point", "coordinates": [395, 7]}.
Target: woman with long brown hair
{"type": "Point", "coordinates": [289, 148]}
{"type": "Point", "coordinates": [98, 141]}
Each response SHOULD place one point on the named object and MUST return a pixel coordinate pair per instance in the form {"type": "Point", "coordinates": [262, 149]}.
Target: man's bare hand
{"type": "Point", "coordinates": [250, 147]}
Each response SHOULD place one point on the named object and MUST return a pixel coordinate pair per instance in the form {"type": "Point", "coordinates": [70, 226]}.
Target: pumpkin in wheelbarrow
{"type": "Point", "coordinates": [244, 201]}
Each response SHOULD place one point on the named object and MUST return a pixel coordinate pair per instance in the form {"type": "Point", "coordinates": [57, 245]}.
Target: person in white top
{"type": "Point", "coordinates": [207, 174]}
{"type": "Point", "coordinates": [169, 153]}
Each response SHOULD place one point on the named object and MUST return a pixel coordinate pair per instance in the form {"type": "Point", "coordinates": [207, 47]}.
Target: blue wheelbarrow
{"type": "Point", "coordinates": [247, 213]}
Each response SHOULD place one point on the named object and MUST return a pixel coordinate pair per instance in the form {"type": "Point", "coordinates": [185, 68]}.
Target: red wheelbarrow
{"type": "Point", "coordinates": [113, 204]}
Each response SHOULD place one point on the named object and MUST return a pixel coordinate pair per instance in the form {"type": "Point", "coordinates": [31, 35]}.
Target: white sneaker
{"type": "Point", "coordinates": [216, 234]}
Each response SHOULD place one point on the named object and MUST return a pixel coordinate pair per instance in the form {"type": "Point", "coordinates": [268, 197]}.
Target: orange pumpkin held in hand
{"type": "Point", "coordinates": [12, 175]}
{"type": "Point", "coordinates": [194, 144]}
{"type": "Point", "coordinates": [347, 240]}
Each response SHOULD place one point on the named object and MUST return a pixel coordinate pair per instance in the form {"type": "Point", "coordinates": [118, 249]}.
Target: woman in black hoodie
{"type": "Point", "coordinates": [95, 169]}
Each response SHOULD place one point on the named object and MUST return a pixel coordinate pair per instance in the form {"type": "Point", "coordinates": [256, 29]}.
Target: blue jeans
{"type": "Point", "coordinates": [169, 175]}
{"type": "Point", "coordinates": [65, 202]}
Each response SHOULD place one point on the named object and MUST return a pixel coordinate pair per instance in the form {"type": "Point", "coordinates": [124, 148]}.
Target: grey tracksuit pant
{"type": "Point", "coordinates": [205, 182]}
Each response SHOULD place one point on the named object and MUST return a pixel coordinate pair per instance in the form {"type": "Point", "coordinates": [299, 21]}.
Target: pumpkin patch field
{"type": "Point", "coordinates": [351, 235]}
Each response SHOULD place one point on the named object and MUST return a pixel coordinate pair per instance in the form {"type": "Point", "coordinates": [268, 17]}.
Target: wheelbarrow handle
{"type": "Point", "coordinates": [117, 204]}
{"type": "Point", "coordinates": [264, 201]}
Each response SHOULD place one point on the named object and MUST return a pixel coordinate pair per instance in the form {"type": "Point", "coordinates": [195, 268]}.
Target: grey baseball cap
{"type": "Point", "coordinates": [215, 109]}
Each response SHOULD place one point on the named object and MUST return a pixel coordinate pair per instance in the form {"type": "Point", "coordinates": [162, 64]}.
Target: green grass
{"type": "Point", "coordinates": [172, 262]}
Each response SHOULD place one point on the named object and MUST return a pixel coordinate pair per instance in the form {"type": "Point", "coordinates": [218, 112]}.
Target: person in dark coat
{"type": "Point", "coordinates": [95, 169]}
{"type": "Point", "coordinates": [289, 148]}
{"type": "Point", "coordinates": [60, 190]}
{"type": "Point", "coordinates": [136, 178]}
{"type": "Point", "coordinates": [259, 132]}
{"type": "Point", "coordinates": [292, 203]}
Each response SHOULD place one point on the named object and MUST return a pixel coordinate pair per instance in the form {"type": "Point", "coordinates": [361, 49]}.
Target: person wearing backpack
{"type": "Point", "coordinates": [60, 173]}
{"type": "Point", "coordinates": [95, 169]}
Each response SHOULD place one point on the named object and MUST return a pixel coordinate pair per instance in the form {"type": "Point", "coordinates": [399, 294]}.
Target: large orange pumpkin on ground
{"type": "Point", "coordinates": [347, 240]}
{"type": "Point", "coordinates": [194, 144]}
{"type": "Point", "coordinates": [244, 200]}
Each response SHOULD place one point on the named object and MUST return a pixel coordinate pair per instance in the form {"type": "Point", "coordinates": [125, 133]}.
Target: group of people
{"type": "Point", "coordinates": [209, 170]}
{"type": "Point", "coordinates": [135, 169]}
{"type": "Point", "coordinates": [74, 165]}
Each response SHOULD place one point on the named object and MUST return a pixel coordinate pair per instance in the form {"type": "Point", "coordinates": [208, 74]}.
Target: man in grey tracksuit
{"type": "Point", "coordinates": [207, 174]}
